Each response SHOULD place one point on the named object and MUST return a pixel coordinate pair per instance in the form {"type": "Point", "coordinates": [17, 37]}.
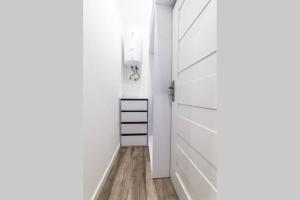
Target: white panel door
{"type": "Point", "coordinates": [194, 70]}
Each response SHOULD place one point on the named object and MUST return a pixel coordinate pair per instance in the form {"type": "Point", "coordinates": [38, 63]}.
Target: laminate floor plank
{"type": "Point", "coordinates": [130, 178]}
{"type": "Point", "coordinates": [165, 189]}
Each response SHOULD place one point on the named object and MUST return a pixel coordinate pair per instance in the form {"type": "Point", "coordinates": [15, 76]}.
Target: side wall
{"type": "Point", "coordinates": [161, 80]}
{"type": "Point", "coordinates": [101, 90]}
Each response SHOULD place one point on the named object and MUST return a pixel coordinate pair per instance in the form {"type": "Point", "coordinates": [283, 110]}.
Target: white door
{"type": "Point", "coordinates": [193, 157]}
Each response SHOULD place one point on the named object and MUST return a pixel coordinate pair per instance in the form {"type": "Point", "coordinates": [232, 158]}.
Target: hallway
{"type": "Point", "coordinates": [130, 179]}
{"type": "Point", "coordinates": [150, 100]}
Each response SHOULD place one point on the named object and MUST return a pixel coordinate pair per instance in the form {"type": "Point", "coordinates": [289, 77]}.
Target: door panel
{"type": "Point", "coordinates": [194, 70]}
{"type": "Point", "coordinates": [199, 161]}
{"type": "Point", "coordinates": [201, 39]}
{"type": "Point", "coordinates": [205, 117]}
{"type": "Point", "coordinates": [206, 67]}
{"type": "Point", "coordinates": [196, 180]}
{"type": "Point", "coordinates": [196, 186]}
{"type": "Point", "coordinates": [189, 11]}
{"type": "Point", "coordinates": [201, 92]}
{"type": "Point", "coordinates": [200, 138]}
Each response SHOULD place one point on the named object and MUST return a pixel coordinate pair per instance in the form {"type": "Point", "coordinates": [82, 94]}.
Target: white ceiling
{"type": "Point", "coordinates": [166, 2]}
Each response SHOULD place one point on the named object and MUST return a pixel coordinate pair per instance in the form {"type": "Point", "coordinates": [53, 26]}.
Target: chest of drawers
{"type": "Point", "coordinates": [133, 122]}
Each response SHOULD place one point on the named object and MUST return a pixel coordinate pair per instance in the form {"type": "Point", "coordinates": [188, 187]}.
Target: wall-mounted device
{"type": "Point", "coordinates": [133, 53]}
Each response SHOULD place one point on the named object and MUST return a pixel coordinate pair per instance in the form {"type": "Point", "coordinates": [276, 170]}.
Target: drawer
{"type": "Point", "coordinates": [139, 140]}
{"type": "Point", "coordinates": [134, 117]}
{"type": "Point", "coordinates": [134, 128]}
{"type": "Point", "coordinates": [134, 105]}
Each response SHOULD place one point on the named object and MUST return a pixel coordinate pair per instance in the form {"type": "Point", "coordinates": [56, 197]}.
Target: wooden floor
{"type": "Point", "coordinates": [130, 179]}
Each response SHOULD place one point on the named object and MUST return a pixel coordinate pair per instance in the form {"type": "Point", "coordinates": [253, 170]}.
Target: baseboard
{"type": "Point", "coordinates": [105, 176]}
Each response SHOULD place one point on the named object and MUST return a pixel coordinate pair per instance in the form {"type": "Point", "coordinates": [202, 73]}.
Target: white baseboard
{"type": "Point", "coordinates": [105, 176]}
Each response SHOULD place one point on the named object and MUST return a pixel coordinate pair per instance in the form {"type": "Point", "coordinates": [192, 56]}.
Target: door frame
{"type": "Point", "coordinates": [182, 194]}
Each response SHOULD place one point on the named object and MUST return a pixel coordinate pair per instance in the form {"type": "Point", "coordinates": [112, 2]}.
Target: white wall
{"type": "Point", "coordinates": [161, 80]}
{"type": "Point", "coordinates": [136, 13]}
{"type": "Point", "coordinates": [101, 85]}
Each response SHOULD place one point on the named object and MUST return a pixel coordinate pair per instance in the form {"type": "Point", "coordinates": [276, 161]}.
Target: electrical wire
{"type": "Point", "coordinates": [136, 70]}
{"type": "Point", "coordinates": [132, 69]}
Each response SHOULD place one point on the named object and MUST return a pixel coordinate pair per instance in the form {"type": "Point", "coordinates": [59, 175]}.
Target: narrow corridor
{"type": "Point", "coordinates": [130, 179]}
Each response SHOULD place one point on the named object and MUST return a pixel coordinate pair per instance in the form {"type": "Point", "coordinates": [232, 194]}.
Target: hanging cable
{"type": "Point", "coordinates": [132, 69]}
{"type": "Point", "coordinates": [136, 70]}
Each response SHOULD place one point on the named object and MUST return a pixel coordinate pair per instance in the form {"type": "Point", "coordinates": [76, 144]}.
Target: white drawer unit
{"type": "Point", "coordinates": [134, 105]}
{"type": "Point", "coordinates": [137, 140]}
{"type": "Point", "coordinates": [134, 122]}
{"type": "Point", "coordinates": [134, 128]}
{"type": "Point", "coordinates": [134, 116]}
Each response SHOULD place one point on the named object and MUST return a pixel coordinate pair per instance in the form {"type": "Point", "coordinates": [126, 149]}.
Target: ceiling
{"type": "Point", "coordinates": [166, 2]}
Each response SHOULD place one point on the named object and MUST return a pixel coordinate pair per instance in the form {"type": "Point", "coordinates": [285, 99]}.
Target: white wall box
{"type": "Point", "coordinates": [134, 122]}
{"type": "Point", "coordinates": [132, 49]}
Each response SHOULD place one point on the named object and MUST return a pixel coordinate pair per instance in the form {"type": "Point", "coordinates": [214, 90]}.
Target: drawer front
{"type": "Point", "coordinates": [133, 128]}
{"type": "Point", "coordinates": [134, 117]}
{"type": "Point", "coordinates": [134, 140]}
{"type": "Point", "coordinates": [134, 105]}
